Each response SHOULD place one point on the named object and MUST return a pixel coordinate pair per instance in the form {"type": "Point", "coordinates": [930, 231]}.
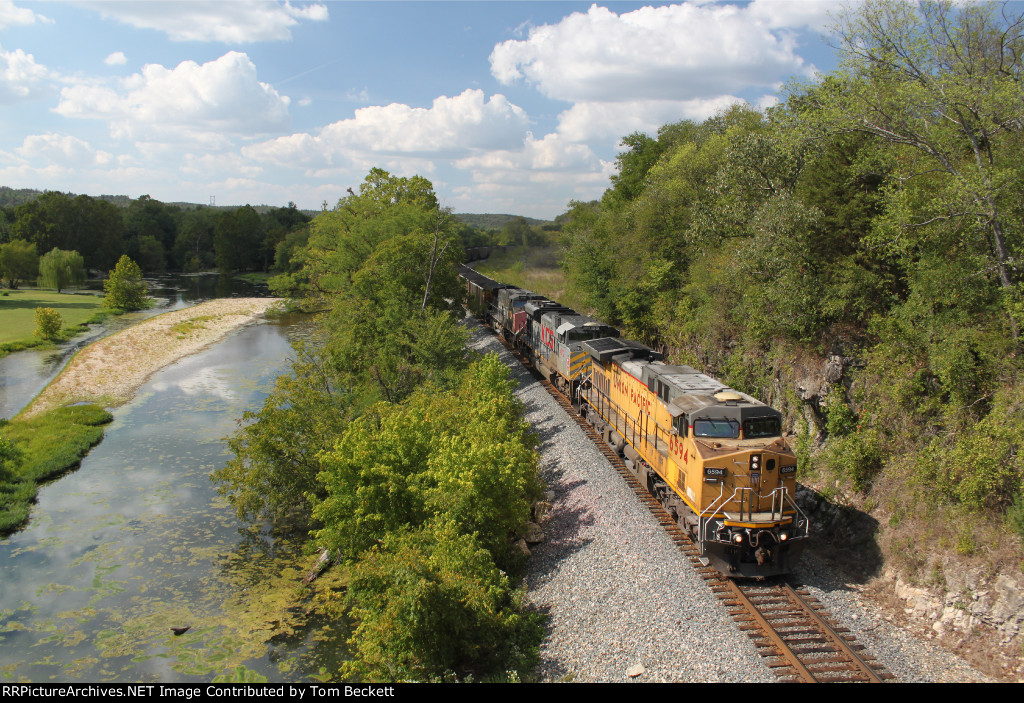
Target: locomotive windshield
{"type": "Point", "coordinates": [720, 429]}
{"type": "Point", "coordinates": [757, 427]}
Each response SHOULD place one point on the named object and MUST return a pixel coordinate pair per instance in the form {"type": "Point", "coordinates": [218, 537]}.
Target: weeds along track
{"type": "Point", "coordinates": [797, 637]}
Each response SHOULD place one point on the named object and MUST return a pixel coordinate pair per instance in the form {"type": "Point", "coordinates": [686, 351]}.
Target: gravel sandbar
{"type": "Point", "coordinates": [109, 371]}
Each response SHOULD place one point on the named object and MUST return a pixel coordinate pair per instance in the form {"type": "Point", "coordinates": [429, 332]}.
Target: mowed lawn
{"type": "Point", "coordinates": [18, 311]}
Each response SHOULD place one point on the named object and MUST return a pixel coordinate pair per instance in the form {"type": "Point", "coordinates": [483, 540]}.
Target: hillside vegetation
{"type": "Point", "coordinates": [852, 257]}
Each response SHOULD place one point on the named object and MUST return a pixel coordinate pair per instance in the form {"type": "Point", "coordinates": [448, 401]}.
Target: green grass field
{"type": "Point", "coordinates": [18, 311]}
{"type": "Point", "coordinates": [534, 269]}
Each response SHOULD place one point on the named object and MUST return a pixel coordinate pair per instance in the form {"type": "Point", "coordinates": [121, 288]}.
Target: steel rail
{"type": "Point", "coordinates": [772, 634]}
{"type": "Point", "coordinates": [834, 637]}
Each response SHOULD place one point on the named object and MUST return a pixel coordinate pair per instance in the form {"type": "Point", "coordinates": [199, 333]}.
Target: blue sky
{"type": "Point", "coordinates": [512, 107]}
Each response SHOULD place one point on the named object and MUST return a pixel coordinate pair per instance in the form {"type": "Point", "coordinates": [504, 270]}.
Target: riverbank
{"type": "Point", "coordinates": [110, 371]}
{"type": "Point", "coordinates": [18, 323]}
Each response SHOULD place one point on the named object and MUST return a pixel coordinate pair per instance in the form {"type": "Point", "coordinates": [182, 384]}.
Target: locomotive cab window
{"type": "Point", "coordinates": [757, 427]}
{"type": "Point", "coordinates": [680, 426]}
{"type": "Point", "coordinates": [720, 429]}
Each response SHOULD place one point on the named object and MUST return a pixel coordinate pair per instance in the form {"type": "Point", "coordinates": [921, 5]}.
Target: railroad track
{"type": "Point", "coordinates": [790, 629]}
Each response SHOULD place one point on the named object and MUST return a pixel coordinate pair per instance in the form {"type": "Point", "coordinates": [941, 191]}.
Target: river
{"type": "Point", "coordinates": [137, 541]}
{"type": "Point", "coordinates": [23, 374]}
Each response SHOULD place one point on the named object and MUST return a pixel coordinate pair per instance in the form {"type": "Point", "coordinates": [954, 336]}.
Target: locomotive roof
{"type": "Point", "coordinates": [605, 349]}
{"type": "Point", "coordinates": [479, 279]}
{"type": "Point", "coordinates": [509, 293]}
{"type": "Point", "coordinates": [692, 392]}
{"type": "Point", "coordinates": [570, 319]}
{"type": "Point", "coordinates": [536, 308]}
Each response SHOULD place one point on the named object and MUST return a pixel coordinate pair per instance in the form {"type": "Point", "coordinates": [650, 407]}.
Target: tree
{"type": "Point", "coordinates": [18, 261]}
{"type": "Point", "coordinates": [48, 323]}
{"type": "Point", "coordinates": [150, 229]}
{"type": "Point", "coordinates": [60, 269]}
{"type": "Point", "coordinates": [940, 82]}
{"type": "Point", "coordinates": [236, 239]}
{"type": "Point", "coordinates": [430, 604]}
{"type": "Point", "coordinates": [124, 286]}
{"type": "Point", "coordinates": [633, 165]}
{"type": "Point", "coordinates": [273, 475]}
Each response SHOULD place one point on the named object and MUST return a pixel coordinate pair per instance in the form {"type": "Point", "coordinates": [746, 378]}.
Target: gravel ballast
{"type": "Point", "coordinates": [622, 600]}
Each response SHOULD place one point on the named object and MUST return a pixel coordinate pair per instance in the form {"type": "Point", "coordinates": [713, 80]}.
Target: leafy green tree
{"type": "Point", "coordinates": [56, 220]}
{"type": "Point", "coordinates": [940, 82]}
{"type": "Point", "coordinates": [60, 269]}
{"type": "Point", "coordinates": [193, 246]}
{"type": "Point", "coordinates": [465, 454]}
{"type": "Point", "coordinates": [273, 475]}
{"type": "Point", "coordinates": [236, 240]}
{"type": "Point", "coordinates": [151, 229]}
{"type": "Point", "coordinates": [634, 163]}
{"type": "Point", "coordinates": [48, 323]}
{"type": "Point", "coordinates": [430, 605]}
{"type": "Point", "coordinates": [18, 262]}
{"type": "Point", "coordinates": [124, 286]}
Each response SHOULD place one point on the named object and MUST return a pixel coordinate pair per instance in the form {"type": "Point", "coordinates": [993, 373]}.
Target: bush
{"type": "Point", "coordinates": [858, 457]}
{"type": "Point", "coordinates": [48, 323]}
{"type": "Point", "coordinates": [1015, 515]}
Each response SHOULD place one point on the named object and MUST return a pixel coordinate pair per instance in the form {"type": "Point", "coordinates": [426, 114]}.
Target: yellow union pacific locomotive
{"type": "Point", "coordinates": [714, 457]}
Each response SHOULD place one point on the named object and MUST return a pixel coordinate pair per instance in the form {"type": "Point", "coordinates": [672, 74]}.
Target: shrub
{"type": "Point", "coordinates": [48, 323]}
{"type": "Point", "coordinates": [1015, 515]}
{"type": "Point", "coordinates": [858, 457]}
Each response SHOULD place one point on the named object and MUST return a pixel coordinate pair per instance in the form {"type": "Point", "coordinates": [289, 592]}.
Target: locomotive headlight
{"type": "Point", "coordinates": [738, 538]}
{"type": "Point", "coordinates": [783, 536]}
{"type": "Point", "coordinates": [755, 462]}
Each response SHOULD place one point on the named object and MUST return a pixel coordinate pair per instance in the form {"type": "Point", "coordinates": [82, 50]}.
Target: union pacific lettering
{"type": "Point", "coordinates": [636, 391]}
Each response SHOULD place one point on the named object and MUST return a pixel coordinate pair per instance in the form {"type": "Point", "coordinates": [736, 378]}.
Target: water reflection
{"type": "Point", "coordinates": [137, 541]}
{"type": "Point", "coordinates": [24, 374]}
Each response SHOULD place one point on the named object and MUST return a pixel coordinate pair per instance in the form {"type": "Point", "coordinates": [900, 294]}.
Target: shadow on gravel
{"type": "Point", "coordinates": [562, 531]}
{"type": "Point", "coordinates": [548, 670]}
{"type": "Point", "coordinates": [843, 539]}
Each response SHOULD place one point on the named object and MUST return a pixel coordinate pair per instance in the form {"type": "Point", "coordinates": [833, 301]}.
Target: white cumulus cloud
{"type": "Point", "coordinates": [207, 102]}
{"type": "Point", "coordinates": [228, 22]}
{"type": "Point", "coordinates": [62, 149]}
{"type": "Point", "coordinates": [13, 16]}
{"type": "Point", "coordinates": [116, 59]}
{"type": "Point", "coordinates": [676, 52]}
{"type": "Point", "coordinates": [451, 127]}
{"type": "Point", "coordinates": [21, 77]}
{"type": "Point", "coordinates": [587, 121]}
{"type": "Point", "coordinates": [794, 14]}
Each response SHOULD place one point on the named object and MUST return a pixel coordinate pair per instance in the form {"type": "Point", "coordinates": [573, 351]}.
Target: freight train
{"type": "Point", "coordinates": [714, 457]}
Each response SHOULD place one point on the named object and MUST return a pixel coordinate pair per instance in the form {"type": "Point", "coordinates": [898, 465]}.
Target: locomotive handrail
{"type": "Point", "coordinates": [780, 497]}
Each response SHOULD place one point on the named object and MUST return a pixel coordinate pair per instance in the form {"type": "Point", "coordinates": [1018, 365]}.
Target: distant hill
{"type": "Point", "coordinates": [495, 222]}
{"type": "Point", "coordinates": [12, 197]}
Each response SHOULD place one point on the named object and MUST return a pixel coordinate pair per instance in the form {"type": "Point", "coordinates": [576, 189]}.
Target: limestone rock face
{"type": "Point", "coordinates": [969, 599]}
